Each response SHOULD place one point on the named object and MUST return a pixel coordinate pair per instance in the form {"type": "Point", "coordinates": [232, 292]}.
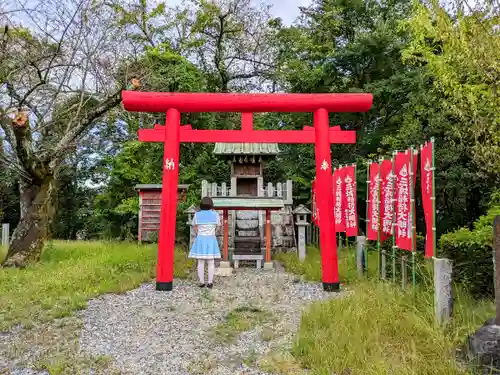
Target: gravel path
{"type": "Point", "coordinates": [179, 333]}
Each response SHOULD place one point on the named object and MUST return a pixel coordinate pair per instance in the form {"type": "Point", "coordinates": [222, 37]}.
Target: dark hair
{"type": "Point", "coordinates": [206, 203]}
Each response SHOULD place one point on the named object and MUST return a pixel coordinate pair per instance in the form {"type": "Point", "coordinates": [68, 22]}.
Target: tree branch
{"type": "Point", "coordinates": [86, 121]}
{"type": "Point", "coordinates": [23, 99]}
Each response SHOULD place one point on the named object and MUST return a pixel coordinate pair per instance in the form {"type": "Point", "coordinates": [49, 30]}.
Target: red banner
{"type": "Point", "coordinates": [338, 201]}
{"type": "Point", "coordinates": [314, 206]}
{"type": "Point", "coordinates": [415, 169]}
{"type": "Point", "coordinates": [373, 203]}
{"type": "Point", "coordinates": [386, 199]}
{"type": "Point", "coordinates": [403, 201]}
{"type": "Point", "coordinates": [350, 213]}
{"type": "Point", "coordinates": [427, 176]}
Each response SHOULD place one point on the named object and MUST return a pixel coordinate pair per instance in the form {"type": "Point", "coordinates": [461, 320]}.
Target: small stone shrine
{"type": "Point", "coordinates": [247, 227]}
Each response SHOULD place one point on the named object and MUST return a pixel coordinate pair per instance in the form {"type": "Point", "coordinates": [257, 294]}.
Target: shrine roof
{"type": "Point", "coordinates": [246, 149]}
{"type": "Point", "coordinates": [248, 203]}
{"type": "Point", "coordinates": [157, 186]}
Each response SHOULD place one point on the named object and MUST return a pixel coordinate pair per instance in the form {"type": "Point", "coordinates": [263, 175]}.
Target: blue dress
{"type": "Point", "coordinates": [205, 245]}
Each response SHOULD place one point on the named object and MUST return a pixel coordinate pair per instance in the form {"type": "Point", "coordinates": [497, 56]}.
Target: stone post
{"type": "Point", "coordinates": [213, 192]}
{"type": "Point", "coordinates": [404, 271]}
{"type": "Point", "coordinates": [233, 190]}
{"type": "Point", "coordinates": [443, 299]}
{"type": "Point", "coordinates": [360, 255]}
{"type": "Point", "coordinates": [301, 213]}
{"type": "Point", "coordinates": [270, 190]}
{"type": "Point", "coordinates": [224, 189]}
{"type": "Point", "coordinates": [5, 234]}
{"type": "Point", "coordinates": [260, 193]}
{"type": "Point", "coordinates": [289, 192]}
{"type": "Point", "coordinates": [204, 188]}
{"type": "Point", "coordinates": [190, 212]}
{"type": "Point", "coordinates": [279, 190]}
{"type": "Point", "coordinates": [383, 267]}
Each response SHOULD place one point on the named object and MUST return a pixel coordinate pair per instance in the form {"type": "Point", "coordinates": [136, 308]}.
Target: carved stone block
{"type": "Point", "coordinates": [247, 215]}
{"type": "Point", "coordinates": [247, 224]}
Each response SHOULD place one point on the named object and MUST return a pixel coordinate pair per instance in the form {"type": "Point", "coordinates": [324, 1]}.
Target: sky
{"type": "Point", "coordinates": [287, 10]}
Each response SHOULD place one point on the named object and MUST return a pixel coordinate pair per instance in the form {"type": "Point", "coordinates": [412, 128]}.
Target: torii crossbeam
{"type": "Point", "coordinates": [322, 135]}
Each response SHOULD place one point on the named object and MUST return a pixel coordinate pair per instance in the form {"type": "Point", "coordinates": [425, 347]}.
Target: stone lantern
{"type": "Point", "coordinates": [301, 213]}
{"type": "Point", "coordinates": [191, 211]}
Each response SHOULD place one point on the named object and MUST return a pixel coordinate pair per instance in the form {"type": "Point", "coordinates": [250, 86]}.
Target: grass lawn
{"type": "Point", "coordinates": [70, 273]}
{"type": "Point", "coordinates": [3, 253]}
{"type": "Point", "coordinates": [380, 329]}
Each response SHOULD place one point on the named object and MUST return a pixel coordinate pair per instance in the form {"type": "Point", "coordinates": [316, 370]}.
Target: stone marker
{"type": "Point", "coordinates": [301, 214]}
{"type": "Point", "coordinates": [443, 299]}
{"type": "Point", "coordinates": [383, 267]}
{"type": "Point", "coordinates": [360, 255]}
{"type": "Point", "coordinates": [192, 235]}
{"type": "Point", "coordinates": [404, 271]}
{"type": "Point", "coordinates": [5, 234]}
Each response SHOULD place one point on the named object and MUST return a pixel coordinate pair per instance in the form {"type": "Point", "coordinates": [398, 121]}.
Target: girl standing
{"type": "Point", "coordinates": [205, 247]}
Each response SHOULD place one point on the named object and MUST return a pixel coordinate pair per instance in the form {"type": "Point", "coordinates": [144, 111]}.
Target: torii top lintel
{"type": "Point", "coordinates": [231, 102]}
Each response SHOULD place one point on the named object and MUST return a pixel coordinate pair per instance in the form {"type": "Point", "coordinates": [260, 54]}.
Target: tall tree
{"type": "Point", "coordinates": [461, 50]}
{"type": "Point", "coordinates": [58, 73]}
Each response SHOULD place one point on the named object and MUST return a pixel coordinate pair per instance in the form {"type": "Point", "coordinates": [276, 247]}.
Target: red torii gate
{"type": "Point", "coordinates": [173, 134]}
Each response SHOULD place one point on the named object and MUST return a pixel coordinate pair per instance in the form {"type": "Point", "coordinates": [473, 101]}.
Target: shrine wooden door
{"type": "Point", "coordinates": [246, 187]}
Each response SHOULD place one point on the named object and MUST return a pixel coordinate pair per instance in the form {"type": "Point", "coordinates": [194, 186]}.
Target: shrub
{"type": "Point", "coordinates": [471, 253]}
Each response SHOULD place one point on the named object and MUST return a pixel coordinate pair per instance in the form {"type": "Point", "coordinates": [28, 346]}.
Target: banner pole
{"type": "Point", "coordinates": [393, 183]}
{"type": "Point", "coordinates": [346, 251]}
{"type": "Point", "coordinates": [412, 217]}
{"type": "Point", "coordinates": [433, 199]}
{"type": "Point", "coordinates": [367, 220]}
{"type": "Point", "coordinates": [339, 236]}
{"type": "Point", "coordinates": [379, 226]}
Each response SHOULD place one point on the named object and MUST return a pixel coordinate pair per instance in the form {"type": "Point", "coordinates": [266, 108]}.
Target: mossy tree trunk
{"type": "Point", "coordinates": [31, 232]}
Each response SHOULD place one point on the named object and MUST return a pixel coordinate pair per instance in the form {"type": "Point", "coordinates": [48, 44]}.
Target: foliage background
{"type": "Point", "coordinates": [434, 72]}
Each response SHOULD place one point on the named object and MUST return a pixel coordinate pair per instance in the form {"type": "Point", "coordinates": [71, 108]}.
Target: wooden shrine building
{"type": "Point", "coordinates": [149, 209]}
{"type": "Point", "coordinates": [249, 204]}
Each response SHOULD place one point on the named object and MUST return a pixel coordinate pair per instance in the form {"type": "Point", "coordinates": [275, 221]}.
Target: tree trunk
{"type": "Point", "coordinates": [31, 232]}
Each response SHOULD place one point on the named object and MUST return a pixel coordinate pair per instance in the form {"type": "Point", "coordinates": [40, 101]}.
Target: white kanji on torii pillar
{"type": "Point", "coordinates": [169, 164]}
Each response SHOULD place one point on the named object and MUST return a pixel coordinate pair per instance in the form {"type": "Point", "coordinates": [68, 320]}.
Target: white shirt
{"type": "Point", "coordinates": [207, 229]}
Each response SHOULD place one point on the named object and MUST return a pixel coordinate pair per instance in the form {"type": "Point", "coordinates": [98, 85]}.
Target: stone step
{"type": "Point", "coordinates": [247, 247]}
{"type": "Point", "coordinates": [247, 233]}
{"type": "Point", "coordinates": [238, 239]}
{"type": "Point", "coordinates": [247, 251]}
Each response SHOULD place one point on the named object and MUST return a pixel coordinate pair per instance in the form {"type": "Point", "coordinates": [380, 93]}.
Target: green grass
{"type": "Point", "coordinates": [310, 269]}
{"type": "Point", "coordinates": [239, 320]}
{"type": "Point", "coordinates": [380, 329]}
{"type": "Point", "coordinates": [3, 253]}
{"type": "Point", "coordinates": [71, 273]}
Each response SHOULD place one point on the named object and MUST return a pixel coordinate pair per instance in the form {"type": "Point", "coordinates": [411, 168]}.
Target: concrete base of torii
{"type": "Point", "coordinates": [224, 269]}
{"type": "Point", "coordinates": [269, 265]}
